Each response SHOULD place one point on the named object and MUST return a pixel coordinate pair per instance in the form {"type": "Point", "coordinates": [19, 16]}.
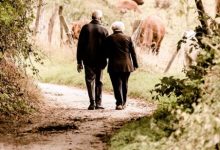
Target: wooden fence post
{"type": "Point", "coordinates": [61, 26]}
{"type": "Point", "coordinates": [65, 27]}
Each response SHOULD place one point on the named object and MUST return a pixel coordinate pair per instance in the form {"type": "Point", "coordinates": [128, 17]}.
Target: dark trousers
{"type": "Point", "coordinates": [120, 86]}
{"type": "Point", "coordinates": [93, 78]}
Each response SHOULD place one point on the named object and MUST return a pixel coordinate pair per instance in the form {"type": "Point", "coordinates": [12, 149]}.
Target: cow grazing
{"type": "Point", "coordinates": [127, 5]}
{"type": "Point", "coordinates": [164, 4]}
{"type": "Point", "coordinates": [139, 2]}
{"type": "Point", "coordinates": [149, 33]}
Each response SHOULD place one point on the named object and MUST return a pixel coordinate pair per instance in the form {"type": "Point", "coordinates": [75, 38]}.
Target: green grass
{"type": "Point", "coordinates": [144, 133]}
{"type": "Point", "coordinates": [137, 134]}
{"type": "Point", "coordinates": [141, 82]}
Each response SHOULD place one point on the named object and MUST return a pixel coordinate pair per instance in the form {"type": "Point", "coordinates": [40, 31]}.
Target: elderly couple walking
{"type": "Point", "coordinates": [95, 47]}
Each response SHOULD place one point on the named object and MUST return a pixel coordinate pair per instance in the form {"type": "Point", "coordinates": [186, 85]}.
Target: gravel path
{"type": "Point", "coordinates": [66, 124]}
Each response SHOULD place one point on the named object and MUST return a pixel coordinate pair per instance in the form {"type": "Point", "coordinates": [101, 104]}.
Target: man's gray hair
{"type": "Point", "coordinates": [118, 26]}
{"type": "Point", "coordinates": [97, 14]}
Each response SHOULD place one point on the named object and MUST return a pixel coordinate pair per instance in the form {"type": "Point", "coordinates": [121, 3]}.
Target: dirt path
{"type": "Point", "coordinates": [66, 124]}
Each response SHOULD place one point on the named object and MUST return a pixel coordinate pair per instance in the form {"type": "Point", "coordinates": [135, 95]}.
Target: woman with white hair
{"type": "Point", "coordinates": [122, 61]}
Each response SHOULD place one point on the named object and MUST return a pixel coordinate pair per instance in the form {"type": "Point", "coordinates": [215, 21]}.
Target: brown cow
{"type": "Point", "coordinates": [125, 5]}
{"type": "Point", "coordinates": [139, 2]}
{"type": "Point", "coordinates": [76, 27]}
{"type": "Point", "coordinates": [164, 4]}
{"type": "Point", "coordinates": [149, 33]}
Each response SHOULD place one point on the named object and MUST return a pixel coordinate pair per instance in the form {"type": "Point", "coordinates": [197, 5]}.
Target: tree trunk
{"type": "Point", "coordinates": [217, 8]}
{"type": "Point", "coordinates": [40, 3]}
{"type": "Point", "coordinates": [51, 23]}
{"type": "Point", "coordinates": [202, 16]}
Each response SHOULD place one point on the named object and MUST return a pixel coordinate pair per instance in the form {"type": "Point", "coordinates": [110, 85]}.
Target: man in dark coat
{"type": "Point", "coordinates": [89, 54]}
{"type": "Point", "coordinates": [122, 61]}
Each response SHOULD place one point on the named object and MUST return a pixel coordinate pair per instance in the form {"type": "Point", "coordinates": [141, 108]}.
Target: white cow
{"type": "Point", "coordinates": [189, 49]}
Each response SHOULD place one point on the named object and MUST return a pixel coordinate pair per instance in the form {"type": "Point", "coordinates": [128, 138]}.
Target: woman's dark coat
{"type": "Point", "coordinates": [120, 52]}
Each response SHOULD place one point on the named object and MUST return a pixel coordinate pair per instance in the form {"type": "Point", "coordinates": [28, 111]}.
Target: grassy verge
{"type": "Point", "coordinates": [144, 134]}
{"type": "Point", "coordinates": [137, 135]}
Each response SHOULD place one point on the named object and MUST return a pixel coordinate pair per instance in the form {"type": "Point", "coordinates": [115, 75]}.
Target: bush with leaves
{"type": "Point", "coordinates": [197, 99]}
{"type": "Point", "coordinates": [18, 96]}
{"type": "Point", "coordinates": [201, 130]}
{"type": "Point", "coordinates": [15, 51]}
{"type": "Point", "coordinates": [188, 90]}
{"type": "Point", "coordinates": [15, 18]}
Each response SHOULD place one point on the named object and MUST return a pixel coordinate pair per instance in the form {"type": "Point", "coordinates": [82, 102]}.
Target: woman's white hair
{"type": "Point", "coordinates": [97, 14]}
{"type": "Point", "coordinates": [118, 26]}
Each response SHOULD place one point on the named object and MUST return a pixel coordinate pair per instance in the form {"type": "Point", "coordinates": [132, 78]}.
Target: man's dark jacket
{"type": "Point", "coordinates": [120, 51]}
{"type": "Point", "coordinates": [89, 49]}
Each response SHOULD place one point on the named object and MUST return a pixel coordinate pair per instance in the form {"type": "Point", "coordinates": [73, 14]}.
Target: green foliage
{"type": "Point", "coordinates": [165, 119]}
{"type": "Point", "coordinates": [15, 51]}
{"type": "Point", "coordinates": [188, 91]}
{"type": "Point", "coordinates": [139, 134]}
{"type": "Point", "coordinates": [201, 129]}
{"type": "Point", "coordinates": [15, 18]}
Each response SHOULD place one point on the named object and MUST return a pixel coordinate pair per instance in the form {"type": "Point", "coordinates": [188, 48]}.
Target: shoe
{"type": "Point", "coordinates": [99, 107]}
{"type": "Point", "coordinates": [91, 107]}
{"type": "Point", "coordinates": [119, 107]}
{"type": "Point", "coordinates": [124, 106]}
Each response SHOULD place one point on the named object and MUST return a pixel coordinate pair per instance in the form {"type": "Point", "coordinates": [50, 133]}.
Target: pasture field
{"type": "Point", "coordinates": [176, 20]}
{"type": "Point", "coordinates": [61, 61]}
{"type": "Point", "coordinates": [60, 67]}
